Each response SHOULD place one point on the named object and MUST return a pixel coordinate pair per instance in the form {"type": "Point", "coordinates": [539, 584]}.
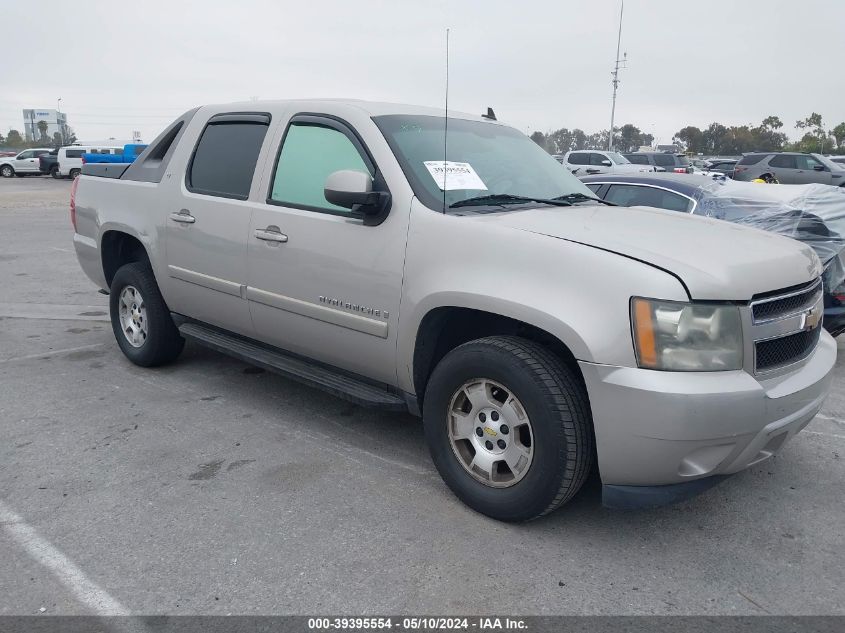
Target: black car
{"type": "Point", "coordinates": [723, 166]}
{"type": "Point", "coordinates": [817, 221]}
{"type": "Point", "coordinates": [49, 163]}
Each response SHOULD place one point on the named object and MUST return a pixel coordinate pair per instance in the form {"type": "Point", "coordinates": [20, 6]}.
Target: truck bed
{"type": "Point", "coordinates": [105, 170]}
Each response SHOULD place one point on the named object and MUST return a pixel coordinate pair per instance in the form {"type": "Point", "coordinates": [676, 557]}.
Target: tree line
{"type": "Point", "coordinates": [16, 140]}
{"type": "Point", "coordinates": [714, 140]}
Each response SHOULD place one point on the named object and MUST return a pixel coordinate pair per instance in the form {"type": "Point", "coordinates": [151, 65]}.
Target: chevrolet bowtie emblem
{"type": "Point", "coordinates": [811, 318]}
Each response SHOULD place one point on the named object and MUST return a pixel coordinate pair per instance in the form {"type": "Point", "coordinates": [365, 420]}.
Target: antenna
{"type": "Point", "coordinates": [615, 74]}
{"type": "Point", "coordinates": [446, 122]}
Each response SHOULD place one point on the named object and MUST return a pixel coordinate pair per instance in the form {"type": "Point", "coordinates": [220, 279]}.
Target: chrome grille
{"type": "Point", "coordinates": [787, 350]}
{"type": "Point", "coordinates": [786, 326]}
{"type": "Point", "coordinates": [778, 306]}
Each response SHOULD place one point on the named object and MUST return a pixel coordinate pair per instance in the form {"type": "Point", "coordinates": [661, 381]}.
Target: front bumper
{"type": "Point", "coordinates": [655, 428]}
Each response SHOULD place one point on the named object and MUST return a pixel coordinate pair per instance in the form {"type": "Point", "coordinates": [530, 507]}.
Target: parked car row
{"type": "Point", "coordinates": [65, 162]}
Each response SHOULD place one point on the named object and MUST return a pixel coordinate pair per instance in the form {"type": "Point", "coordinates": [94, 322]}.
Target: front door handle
{"type": "Point", "coordinates": [184, 217]}
{"type": "Point", "coordinates": [271, 234]}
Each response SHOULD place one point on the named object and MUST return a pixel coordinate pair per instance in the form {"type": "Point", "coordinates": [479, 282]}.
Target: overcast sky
{"type": "Point", "coordinates": [122, 66]}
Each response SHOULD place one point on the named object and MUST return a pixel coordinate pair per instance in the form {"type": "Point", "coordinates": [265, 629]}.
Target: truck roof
{"type": "Point", "coordinates": [372, 108]}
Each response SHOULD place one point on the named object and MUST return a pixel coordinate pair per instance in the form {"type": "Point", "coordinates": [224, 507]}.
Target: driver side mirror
{"type": "Point", "coordinates": [353, 190]}
{"type": "Point", "coordinates": [607, 163]}
{"type": "Point", "coordinates": [818, 167]}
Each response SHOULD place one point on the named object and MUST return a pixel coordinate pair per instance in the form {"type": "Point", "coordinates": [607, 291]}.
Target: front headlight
{"type": "Point", "coordinates": [685, 336]}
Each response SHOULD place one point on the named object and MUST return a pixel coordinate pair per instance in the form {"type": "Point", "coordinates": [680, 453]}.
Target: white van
{"type": "Point", "coordinates": [70, 158]}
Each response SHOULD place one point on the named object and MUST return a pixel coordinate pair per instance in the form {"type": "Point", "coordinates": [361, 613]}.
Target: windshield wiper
{"type": "Point", "coordinates": [504, 199]}
{"type": "Point", "coordinates": [580, 197]}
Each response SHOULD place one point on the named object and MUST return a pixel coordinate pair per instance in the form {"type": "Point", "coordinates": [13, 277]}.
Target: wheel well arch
{"type": "Point", "coordinates": [118, 248]}
{"type": "Point", "coordinates": [445, 328]}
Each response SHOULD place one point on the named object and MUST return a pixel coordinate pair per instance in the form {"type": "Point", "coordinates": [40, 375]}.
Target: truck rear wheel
{"type": "Point", "coordinates": [140, 318]}
{"type": "Point", "coordinates": [54, 172]}
{"type": "Point", "coordinates": [509, 427]}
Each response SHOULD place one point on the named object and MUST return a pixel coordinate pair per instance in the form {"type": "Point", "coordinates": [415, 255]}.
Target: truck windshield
{"type": "Point", "coordinates": [482, 159]}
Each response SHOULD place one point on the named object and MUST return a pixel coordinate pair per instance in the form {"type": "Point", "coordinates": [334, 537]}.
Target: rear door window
{"type": "Point", "coordinates": [226, 154]}
{"type": "Point", "coordinates": [579, 158]}
{"type": "Point", "coordinates": [637, 159]}
{"type": "Point", "coordinates": [751, 159]}
{"type": "Point", "coordinates": [664, 160]}
{"type": "Point", "coordinates": [74, 153]}
{"type": "Point", "coordinates": [640, 196]}
{"type": "Point", "coordinates": [783, 161]}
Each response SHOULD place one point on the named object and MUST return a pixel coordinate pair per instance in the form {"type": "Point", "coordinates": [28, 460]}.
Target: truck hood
{"type": "Point", "coordinates": [715, 260]}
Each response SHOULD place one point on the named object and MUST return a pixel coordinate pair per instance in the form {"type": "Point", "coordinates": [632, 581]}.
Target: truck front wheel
{"type": "Point", "coordinates": [7, 171]}
{"type": "Point", "coordinates": [74, 173]}
{"type": "Point", "coordinates": [140, 319]}
{"type": "Point", "coordinates": [508, 426]}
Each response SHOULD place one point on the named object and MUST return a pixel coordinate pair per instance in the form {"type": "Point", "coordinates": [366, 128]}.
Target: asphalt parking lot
{"type": "Point", "coordinates": [211, 487]}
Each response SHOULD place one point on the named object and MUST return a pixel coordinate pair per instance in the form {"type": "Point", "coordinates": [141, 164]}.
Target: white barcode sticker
{"type": "Point", "coordinates": [450, 175]}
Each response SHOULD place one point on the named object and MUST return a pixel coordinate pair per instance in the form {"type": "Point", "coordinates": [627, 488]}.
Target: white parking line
{"type": "Point", "coordinates": [830, 418]}
{"type": "Point", "coordinates": [86, 591]}
{"type": "Point", "coordinates": [53, 352]}
{"type": "Point", "coordinates": [822, 434]}
{"type": "Point", "coordinates": [55, 311]}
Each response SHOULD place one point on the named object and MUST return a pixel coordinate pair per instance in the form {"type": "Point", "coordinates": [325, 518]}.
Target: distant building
{"type": "Point", "coordinates": [56, 122]}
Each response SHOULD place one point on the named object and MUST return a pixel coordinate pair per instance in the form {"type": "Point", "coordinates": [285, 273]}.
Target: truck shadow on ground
{"type": "Point", "coordinates": [722, 509]}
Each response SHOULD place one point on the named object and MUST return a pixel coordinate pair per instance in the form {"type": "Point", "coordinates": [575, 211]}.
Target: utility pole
{"type": "Point", "coordinates": [615, 75]}
{"type": "Point", "coordinates": [59, 120]}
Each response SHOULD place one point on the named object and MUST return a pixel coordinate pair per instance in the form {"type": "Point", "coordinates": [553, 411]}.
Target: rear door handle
{"type": "Point", "coordinates": [184, 217]}
{"type": "Point", "coordinates": [271, 234]}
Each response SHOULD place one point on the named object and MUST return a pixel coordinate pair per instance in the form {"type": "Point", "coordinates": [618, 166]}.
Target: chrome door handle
{"type": "Point", "coordinates": [184, 217]}
{"type": "Point", "coordinates": [271, 234]}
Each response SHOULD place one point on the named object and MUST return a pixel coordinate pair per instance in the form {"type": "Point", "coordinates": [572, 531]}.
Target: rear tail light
{"type": "Point", "coordinates": [73, 202]}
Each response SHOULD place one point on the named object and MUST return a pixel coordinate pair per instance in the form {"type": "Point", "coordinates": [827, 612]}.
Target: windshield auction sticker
{"type": "Point", "coordinates": [450, 175]}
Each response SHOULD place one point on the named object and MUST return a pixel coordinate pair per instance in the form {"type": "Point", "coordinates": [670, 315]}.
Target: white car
{"type": "Point", "coordinates": [23, 164]}
{"type": "Point", "coordinates": [584, 162]}
{"type": "Point", "coordinates": [69, 160]}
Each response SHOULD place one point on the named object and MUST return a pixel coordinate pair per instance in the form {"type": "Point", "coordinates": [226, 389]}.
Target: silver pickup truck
{"type": "Point", "coordinates": [470, 280]}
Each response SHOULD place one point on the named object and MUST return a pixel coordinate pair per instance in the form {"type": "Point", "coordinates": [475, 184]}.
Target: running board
{"type": "Point", "coordinates": [308, 373]}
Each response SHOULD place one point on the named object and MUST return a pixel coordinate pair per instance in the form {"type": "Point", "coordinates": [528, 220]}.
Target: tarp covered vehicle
{"type": "Point", "coordinates": [813, 214]}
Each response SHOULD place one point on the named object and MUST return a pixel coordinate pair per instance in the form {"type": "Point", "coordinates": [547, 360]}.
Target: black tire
{"type": "Point", "coordinates": [54, 172]}
{"type": "Point", "coordinates": [7, 171]}
{"type": "Point", "coordinates": [162, 343]}
{"type": "Point", "coordinates": [556, 404]}
{"type": "Point", "coordinates": [74, 173]}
